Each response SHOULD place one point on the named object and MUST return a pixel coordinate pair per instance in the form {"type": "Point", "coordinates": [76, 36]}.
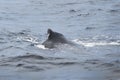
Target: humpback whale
{"type": "Point", "coordinates": [54, 38]}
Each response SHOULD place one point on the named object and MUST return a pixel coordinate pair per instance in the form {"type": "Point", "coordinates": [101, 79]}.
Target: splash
{"type": "Point", "coordinates": [92, 44]}
{"type": "Point", "coordinates": [41, 46]}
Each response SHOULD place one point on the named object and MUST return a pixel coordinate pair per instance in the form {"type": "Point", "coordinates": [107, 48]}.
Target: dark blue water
{"type": "Point", "coordinates": [93, 25]}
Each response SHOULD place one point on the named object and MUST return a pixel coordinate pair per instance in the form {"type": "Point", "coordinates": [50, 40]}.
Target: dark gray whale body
{"type": "Point", "coordinates": [54, 39]}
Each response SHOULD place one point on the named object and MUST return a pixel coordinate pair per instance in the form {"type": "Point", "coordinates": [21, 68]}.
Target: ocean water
{"type": "Point", "coordinates": [93, 25]}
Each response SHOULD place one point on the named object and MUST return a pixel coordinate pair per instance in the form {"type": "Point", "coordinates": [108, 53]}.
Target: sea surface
{"type": "Point", "coordinates": [92, 25]}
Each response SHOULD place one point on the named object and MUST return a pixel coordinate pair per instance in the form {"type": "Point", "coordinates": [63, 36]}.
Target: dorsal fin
{"type": "Point", "coordinates": [49, 31]}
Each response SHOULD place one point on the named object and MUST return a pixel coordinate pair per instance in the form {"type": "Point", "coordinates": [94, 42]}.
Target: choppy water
{"type": "Point", "coordinates": [93, 25]}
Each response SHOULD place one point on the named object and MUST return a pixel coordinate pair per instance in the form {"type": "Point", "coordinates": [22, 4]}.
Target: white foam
{"type": "Point", "coordinates": [41, 46]}
{"type": "Point", "coordinates": [28, 39]}
{"type": "Point", "coordinates": [92, 44]}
